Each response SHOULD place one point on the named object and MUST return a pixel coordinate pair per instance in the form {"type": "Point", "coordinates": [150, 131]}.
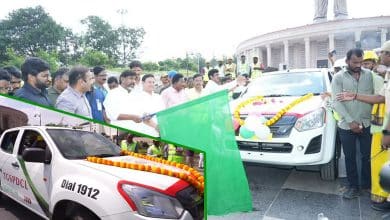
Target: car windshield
{"type": "Point", "coordinates": [287, 84]}
{"type": "Point", "coordinates": [76, 144]}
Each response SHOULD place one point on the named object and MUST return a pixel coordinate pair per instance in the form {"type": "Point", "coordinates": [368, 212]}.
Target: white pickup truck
{"type": "Point", "coordinates": [45, 169]}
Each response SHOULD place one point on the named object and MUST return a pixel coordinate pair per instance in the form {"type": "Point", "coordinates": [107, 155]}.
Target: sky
{"type": "Point", "coordinates": [210, 27]}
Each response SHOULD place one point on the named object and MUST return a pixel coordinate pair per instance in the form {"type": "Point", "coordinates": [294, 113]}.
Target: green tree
{"type": "Point", "coordinates": [29, 30]}
{"type": "Point", "coordinates": [100, 36]}
{"type": "Point", "coordinates": [130, 40]}
{"type": "Point", "coordinates": [51, 58]}
{"type": "Point", "coordinates": [95, 58]}
{"type": "Point", "coordinates": [150, 67]}
{"type": "Point", "coordinates": [12, 59]}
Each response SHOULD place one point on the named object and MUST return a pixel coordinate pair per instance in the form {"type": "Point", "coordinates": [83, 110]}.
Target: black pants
{"type": "Point", "coordinates": [348, 141]}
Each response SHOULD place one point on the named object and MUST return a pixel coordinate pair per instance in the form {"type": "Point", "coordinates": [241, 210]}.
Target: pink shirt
{"type": "Point", "coordinates": [172, 97]}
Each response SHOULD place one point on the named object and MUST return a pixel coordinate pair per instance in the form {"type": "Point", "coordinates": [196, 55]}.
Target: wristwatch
{"type": "Point", "coordinates": [386, 132]}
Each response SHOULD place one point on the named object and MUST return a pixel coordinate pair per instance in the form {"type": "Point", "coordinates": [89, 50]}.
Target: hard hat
{"type": "Point", "coordinates": [230, 58]}
{"type": "Point", "coordinates": [386, 46]}
{"type": "Point", "coordinates": [340, 63]}
{"type": "Point", "coordinates": [39, 138]}
{"type": "Point", "coordinates": [370, 55]}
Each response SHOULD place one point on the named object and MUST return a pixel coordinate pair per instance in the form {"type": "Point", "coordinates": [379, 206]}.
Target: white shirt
{"type": "Point", "coordinates": [212, 86]}
{"type": "Point", "coordinates": [194, 94]}
{"type": "Point", "coordinates": [141, 103]}
{"type": "Point", "coordinates": [113, 103]}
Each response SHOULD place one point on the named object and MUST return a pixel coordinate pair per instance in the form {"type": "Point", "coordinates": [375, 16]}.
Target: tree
{"type": "Point", "coordinates": [130, 40]}
{"type": "Point", "coordinates": [95, 58]}
{"type": "Point", "coordinates": [51, 58]}
{"type": "Point", "coordinates": [100, 36]}
{"type": "Point", "coordinates": [150, 67]}
{"type": "Point", "coordinates": [12, 59]}
{"type": "Point", "coordinates": [29, 30]}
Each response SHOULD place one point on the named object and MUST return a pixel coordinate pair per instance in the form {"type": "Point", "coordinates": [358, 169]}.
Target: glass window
{"type": "Point", "coordinates": [287, 84]}
{"type": "Point", "coordinates": [8, 142]}
{"type": "Point", "coordinates": [76, 144]}
{"type": "Point", "coordinates": [30, 139]}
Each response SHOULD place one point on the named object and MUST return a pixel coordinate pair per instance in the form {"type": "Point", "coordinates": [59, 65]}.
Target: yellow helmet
{"type": "Point", "coordinates": [370, 55]}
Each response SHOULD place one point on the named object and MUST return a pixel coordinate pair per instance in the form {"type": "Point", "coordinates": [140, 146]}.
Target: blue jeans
{"type": "Point", "coordinates": [348, 141]}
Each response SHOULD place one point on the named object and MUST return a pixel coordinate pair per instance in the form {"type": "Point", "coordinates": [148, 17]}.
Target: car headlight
{"type": "Point", "coordinates": [312, 120]}
{"type": "Point", "coordinates": [153, 204]}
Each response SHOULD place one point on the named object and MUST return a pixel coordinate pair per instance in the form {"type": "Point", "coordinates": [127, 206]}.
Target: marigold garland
{"type": "Point", "coordinates": [277, 116]}
{"type": "Point", "coordinates": [194, 177]}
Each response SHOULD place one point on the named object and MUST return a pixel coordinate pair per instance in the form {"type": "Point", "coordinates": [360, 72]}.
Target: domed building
{"type": "Point", "coordinates": [308, 46]}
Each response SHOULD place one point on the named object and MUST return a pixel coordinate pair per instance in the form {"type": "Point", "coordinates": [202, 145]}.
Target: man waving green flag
{"type": "Point", "coordinates": [205, 124]}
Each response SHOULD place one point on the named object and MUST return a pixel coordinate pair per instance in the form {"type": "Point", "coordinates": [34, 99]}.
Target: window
{"type": "Point", "coordinates": [31, 139]}
{"type": "Point", "coordinates": [8, 143]}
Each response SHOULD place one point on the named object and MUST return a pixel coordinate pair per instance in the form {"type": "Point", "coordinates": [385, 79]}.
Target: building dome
{"type": "Point", "coordinates": [308, 46]}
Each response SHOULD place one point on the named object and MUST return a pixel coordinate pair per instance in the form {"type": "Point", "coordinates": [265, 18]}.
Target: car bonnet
{"type": "Point", "coordinates": [149, 179]}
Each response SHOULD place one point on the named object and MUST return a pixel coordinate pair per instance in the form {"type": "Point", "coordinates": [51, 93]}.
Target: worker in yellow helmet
{"type": "Point", "coordinates": [378, 195]}
{"type": "Point", "coordinates": [370, 59]}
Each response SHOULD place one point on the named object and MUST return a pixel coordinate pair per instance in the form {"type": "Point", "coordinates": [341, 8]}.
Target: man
{"type": "Point", "coordinates": [221, 68]}
{"type": "Point", "coordinates": [136, 67]}
{"type": "Point", "coordinates": [73, 98]}
{"type": "Point", "coordinates": [112, 82]}
{"type": "Point", "coordinates": [95, 99]}
{"type": "Point", "coordinates": [118, 98]}
{"type": "Point", "coordinates": [35, 73]}
{"type": "Point", "coordinates": [243, 67]}
{"type": "Point", "coordinates": [5, 85]}
{"type": "Point", "coordinates": [192, 94]}
{"type": "Point", "coordinates": [175, 94]}
{"type": "Point", "coordinates": [145, 104]}
{"type": "Point", "coordinates": [100, 78]}
{"type": "Point", "coordinates": [59, 84]}
{"type": "Point", "coordinates": [230, 67]}
{"type": "Point", "coordinates": [205, 71]}
{"type": "Point", "coordinates": [197, 91]}
{"type": "Point", "coordinates": [171, 74]}
{"type": "Point", "coordinates": [16, 78]}
{"type": "Point", "coordinates": [385, 70]}
{"type": "Point", "coordinates": [256, 67]}
{"type": "Point", "coordinates": [165, 83]}
{"type": "Point", "coordinates": [214, 84]}
{"type": "Point", "coordinates": [354, 120]}
{"type": "Point", "coordinates": [370, 59]}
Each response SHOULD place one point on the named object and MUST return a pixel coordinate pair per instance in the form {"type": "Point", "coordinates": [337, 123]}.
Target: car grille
{"type": "Point", "coordinates": [281, 128]}
{"type": "Point", "coordinates": [192, 202]}
{"type": "Point", "coordinates": [265, 147]}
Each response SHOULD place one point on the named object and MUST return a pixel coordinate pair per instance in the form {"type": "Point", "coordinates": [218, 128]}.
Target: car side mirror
{"type": "Point", "coordinates": [36, 155]}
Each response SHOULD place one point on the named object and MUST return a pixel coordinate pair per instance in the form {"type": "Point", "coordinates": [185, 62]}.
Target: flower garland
{"type": "Point", "coordinates": [277, 116]}
{"type": "Point", "coordinates": [192, 176]}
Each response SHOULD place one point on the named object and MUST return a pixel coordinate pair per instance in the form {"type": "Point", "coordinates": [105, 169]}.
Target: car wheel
{"type": "Point", "coordinates": [81, 213]}
{"type": "Point", "coordinates": [329, 171]}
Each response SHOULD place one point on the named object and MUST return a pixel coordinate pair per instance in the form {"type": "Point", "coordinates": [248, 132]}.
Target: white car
{"type": "Point", "coordinates": [305, 136]}
{"type": "Point", "coordinates": [45, 169]}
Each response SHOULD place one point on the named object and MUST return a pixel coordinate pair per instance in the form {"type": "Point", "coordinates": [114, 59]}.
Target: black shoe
{"type": "Point", "coordinates": [384, 206]}
{"type": "Point", "coordinates": [351, 193]}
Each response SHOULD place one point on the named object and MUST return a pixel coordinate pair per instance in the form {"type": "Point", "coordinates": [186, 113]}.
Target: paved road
{"type": "Point", "coordinates": [10, 210]}
{"type": "Point", "coordinates": [290, 194]}
{"type": "Point", "coordinates": [277, 194]}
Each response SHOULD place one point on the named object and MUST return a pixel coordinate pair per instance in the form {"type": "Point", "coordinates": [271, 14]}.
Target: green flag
{"type": "Point", "coordinates": [205, 124]}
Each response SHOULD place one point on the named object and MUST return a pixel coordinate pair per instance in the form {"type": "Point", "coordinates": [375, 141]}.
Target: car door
{"type": "Point", "coordinates": [37, 175]}
{"type": "Point", "coordinates": [8, 166]}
